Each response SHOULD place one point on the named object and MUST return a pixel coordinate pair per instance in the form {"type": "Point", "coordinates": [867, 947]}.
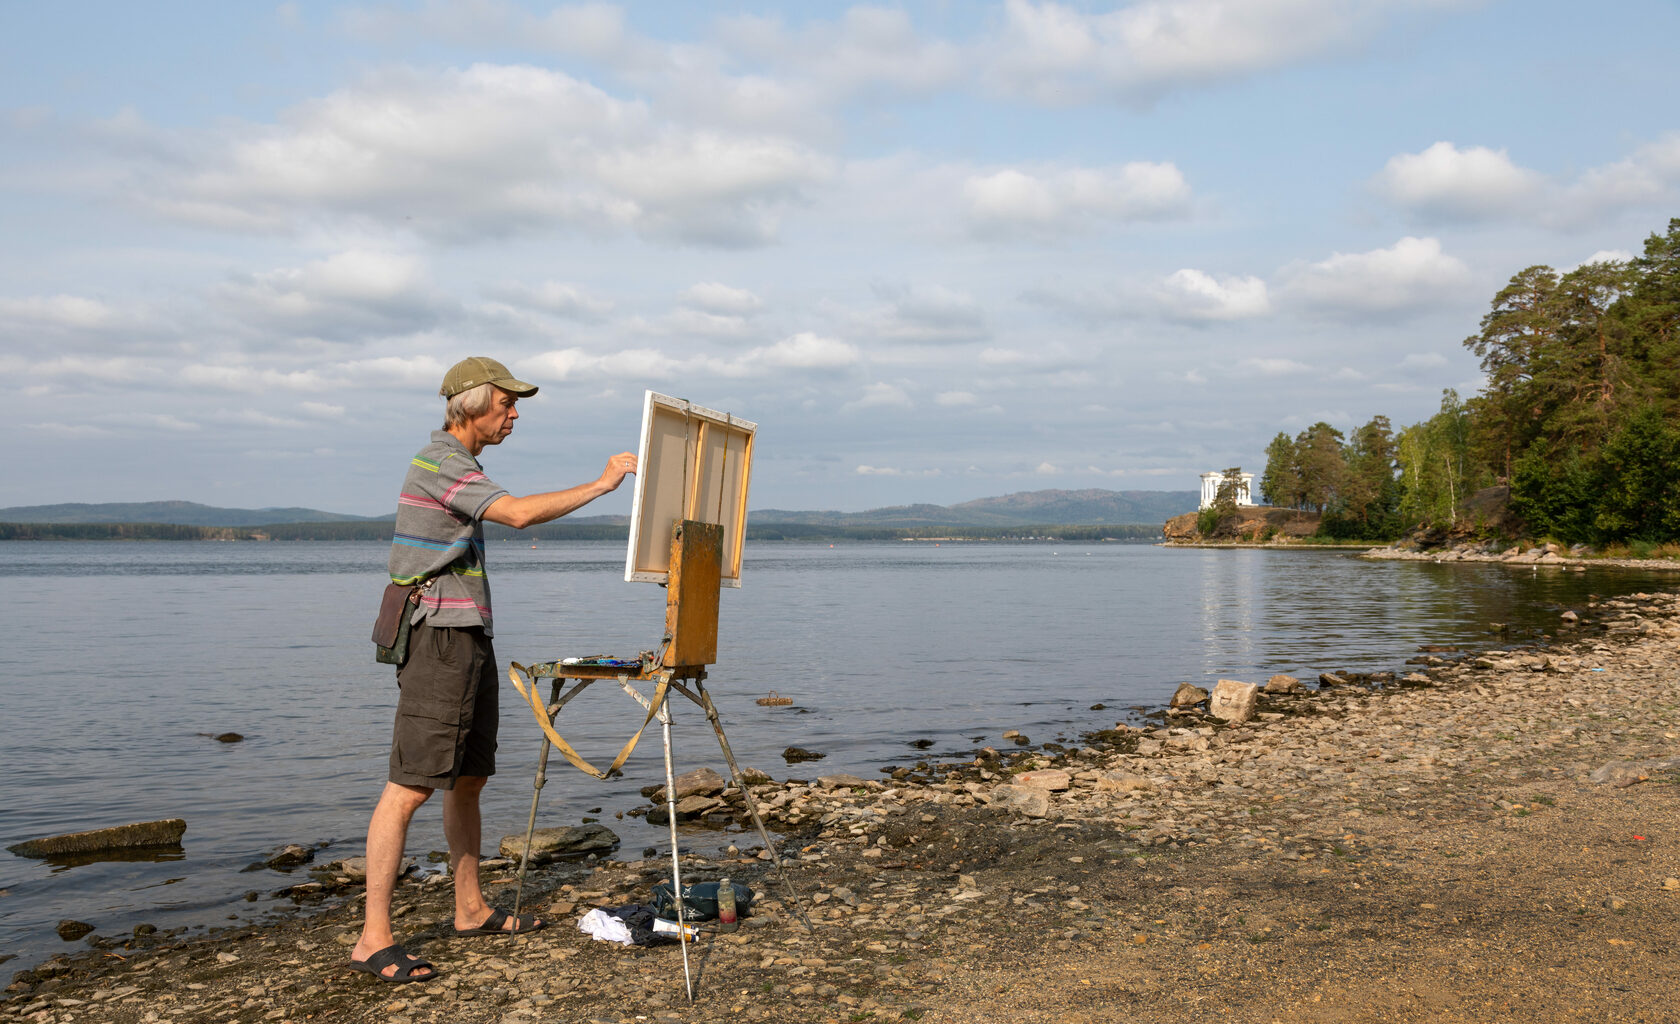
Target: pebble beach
{"type": "Point", "coordinates": [1487, 837]}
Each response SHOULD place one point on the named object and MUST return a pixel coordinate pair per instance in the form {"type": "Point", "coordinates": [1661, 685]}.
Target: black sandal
{"type": "Point", "coordinates": [395, 955]}
{"type": "Point", "coordinates": [493, 924]}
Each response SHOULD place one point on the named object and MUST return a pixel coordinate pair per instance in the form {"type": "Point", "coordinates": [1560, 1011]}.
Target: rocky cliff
{"type": "Point", "coordinates": [1249, 524]}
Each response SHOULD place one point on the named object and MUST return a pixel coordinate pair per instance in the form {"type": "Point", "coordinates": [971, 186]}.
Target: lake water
{"type": "Point", "coordinates": [123, 659]}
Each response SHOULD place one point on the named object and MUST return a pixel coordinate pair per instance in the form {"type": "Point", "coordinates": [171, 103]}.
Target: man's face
{"type": "Point", "coordinates": [496, 423]}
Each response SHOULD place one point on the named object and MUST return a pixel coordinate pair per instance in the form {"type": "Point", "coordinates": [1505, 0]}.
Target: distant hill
{"type": "Point", "coordinates": [176, 513]}
{"type": "Point", "coordinates": [1089, 506]}
{"type": "Point", "coordinates": [1026, 508]}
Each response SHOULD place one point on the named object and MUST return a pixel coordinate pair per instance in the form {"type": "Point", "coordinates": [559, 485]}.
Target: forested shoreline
{"type": "Point", "coordinates": [1577, 417]}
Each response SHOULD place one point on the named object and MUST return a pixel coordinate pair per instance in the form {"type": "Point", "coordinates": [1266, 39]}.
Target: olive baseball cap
{"type": "Point", "coordinates": [475, 370]}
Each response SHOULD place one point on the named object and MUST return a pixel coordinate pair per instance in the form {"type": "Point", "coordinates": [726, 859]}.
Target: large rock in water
{"type": "Point", "coordinates": [144, 833]}
{"type": "Point", "coordinates": [1233, 700]}
{"type": "Point", "coordinates": [290, 856]}
{"type": "Point", "coordinates": [566, 841]}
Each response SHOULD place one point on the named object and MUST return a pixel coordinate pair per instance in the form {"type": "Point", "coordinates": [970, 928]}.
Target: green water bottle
{"type": "Point", "coordinates": [726, 906]}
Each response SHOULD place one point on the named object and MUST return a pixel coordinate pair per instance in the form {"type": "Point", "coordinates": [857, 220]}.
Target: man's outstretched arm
{"type": "Point", "coordinates": [532, 509]}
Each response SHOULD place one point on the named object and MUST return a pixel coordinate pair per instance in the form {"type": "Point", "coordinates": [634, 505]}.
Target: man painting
{"type": "Point", "coordinates": [445, 732]}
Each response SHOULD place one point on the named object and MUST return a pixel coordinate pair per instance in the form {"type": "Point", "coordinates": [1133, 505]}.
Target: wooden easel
{"type": "Point", "coordinates": [688, 646]}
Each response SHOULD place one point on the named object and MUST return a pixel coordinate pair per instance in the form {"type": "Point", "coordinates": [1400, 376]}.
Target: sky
{"type": "Point", "coordinates": [936, 251]}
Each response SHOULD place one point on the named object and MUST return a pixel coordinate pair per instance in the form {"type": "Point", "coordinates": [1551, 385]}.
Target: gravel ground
{"type": "Point", "coordinates": [1485, 839]}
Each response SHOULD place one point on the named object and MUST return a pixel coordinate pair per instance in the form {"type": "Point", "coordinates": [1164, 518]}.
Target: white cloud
{"type": "Point", "coordinates": [491, 150]}
{"type": "Point", "coordinates": [558, 297]}
{"type": "Point", "coordinates": [1057, 54]}
{"type": "Point", "coordinates": [1194, 295]}
{"type": "Point", "coordinates": [594, 30]}
{"type": "Point", "coordinates": [955, 399]}
{"type": "Point", "coordinates": [1002, 357]}
{"type": "Point", "coordinates": [1602, 256]}
{"type": "Point", "coordinates": [1650, 176]}
{"type": "Point", "coordinates": [893, 471]}
{"type": "Point", "coordinates": [117, 370]}
{"type": "Point", "coordinates": [689, 323]}
{"type": "Point", "coordinates": [627, 364]}
{"type": "Point", "coordinates": [1447, 183]}
{"type": "Point", "coordinates": [1275, 367]}
{"type": "Point", "coordinates": [801, 352]}
{"type": "Point", "coordinates": [751, 70]}
{"type": "Point", "coordinates": [1404, 278]}
{"type": "Point", "coordinates": [257, 418]}
{"type": "Point", "coordinates": [348, 293]}
{"type": "Point", "coordinates": [879, 395]}
{"type": "Point", "coordinates": [804, 351]}
{"type": "Point", "coordinates": [354, 276]}
{"type": "Point", "coordinates": [867, 49]}
{"type": "Point", "coordinates": [252, 379]}
{"type": "Point", "coordinates": [69, 311]}
{"type": "Point", "coordinates": [395, 371]}
{"type": "Point", "coordinates": [1052, 201]}
{"type": "Point", "coordinates": [1045, 469]}
{"type": "Point", "coordinates": [720, 298]}
{"type": "Point", "coordinates": [1444, 181]}
{"type": "Point", "coordinates": [325, 410]}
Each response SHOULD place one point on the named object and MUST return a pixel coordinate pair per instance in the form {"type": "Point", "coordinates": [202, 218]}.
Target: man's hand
{"type": "Point", "coordinates": [618, 467]}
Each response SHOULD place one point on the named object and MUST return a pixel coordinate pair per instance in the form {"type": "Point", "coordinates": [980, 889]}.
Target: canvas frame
{"type": "Point", "coordinates": [693, 463]}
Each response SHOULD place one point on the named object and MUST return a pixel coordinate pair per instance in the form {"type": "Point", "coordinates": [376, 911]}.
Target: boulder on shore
{"type": "Point", "coordinates": [1051, 780]}
{"type": "Point", "coordinates": [1033, 803]}
{"type": "Point", "coordinates": [842, 780]}
{"type": "Point", "coordinates": [1120, 782]}
{"type": "Point", "coordinates": [143, 833]}
{"type": "Point", "coordinates": [1281, 683]}
{"type": "Point", "coordinates": [565, 841]}
{"type": "Point", "coordinates": [699, 782]}
{"type": "Point", "coordinates": [1187, 696]}
{"type": "Point", "coordinates": [1233, 700]}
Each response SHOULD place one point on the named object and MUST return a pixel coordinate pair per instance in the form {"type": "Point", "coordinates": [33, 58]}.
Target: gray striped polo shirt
{"type": "Point", "coordinates": [440, 533]}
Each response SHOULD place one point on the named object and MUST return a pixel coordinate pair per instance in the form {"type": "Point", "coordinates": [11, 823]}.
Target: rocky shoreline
{"type": "Point", "coordinates": [1514, 554]}
{"type": "Point", "coordinates": [1467, 838]}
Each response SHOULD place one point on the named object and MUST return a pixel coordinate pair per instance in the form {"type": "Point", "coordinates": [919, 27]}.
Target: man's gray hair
{"type": "Point", "coordinates": [469, 403]}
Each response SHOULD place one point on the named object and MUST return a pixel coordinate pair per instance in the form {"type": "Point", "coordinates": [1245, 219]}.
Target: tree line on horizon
{"type": "Point", "coordinates": [1577, 416]}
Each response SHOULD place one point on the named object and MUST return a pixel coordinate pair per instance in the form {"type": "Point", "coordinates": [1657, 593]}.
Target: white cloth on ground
{"type": "Point", "coordinates": [604, 927]}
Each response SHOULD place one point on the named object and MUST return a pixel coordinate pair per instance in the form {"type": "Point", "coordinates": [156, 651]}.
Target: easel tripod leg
{"type": "Point", "coordinates": [671, 820]}
{"type": "Point", "coordinates": [537, 784]}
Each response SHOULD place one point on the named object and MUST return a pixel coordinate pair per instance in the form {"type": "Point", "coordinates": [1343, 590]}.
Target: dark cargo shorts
{"type": "Point", "coordinates": [446, 715]}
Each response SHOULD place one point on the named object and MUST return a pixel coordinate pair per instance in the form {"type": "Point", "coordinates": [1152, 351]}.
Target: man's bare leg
{"type": "Point", "coordinates": [463, 828]}
{"type": "Point", "coordinates": [387, 833]}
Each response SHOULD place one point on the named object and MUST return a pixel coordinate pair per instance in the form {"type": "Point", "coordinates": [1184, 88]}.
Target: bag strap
{"type": "Point", "coordinates": [515, 670]}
